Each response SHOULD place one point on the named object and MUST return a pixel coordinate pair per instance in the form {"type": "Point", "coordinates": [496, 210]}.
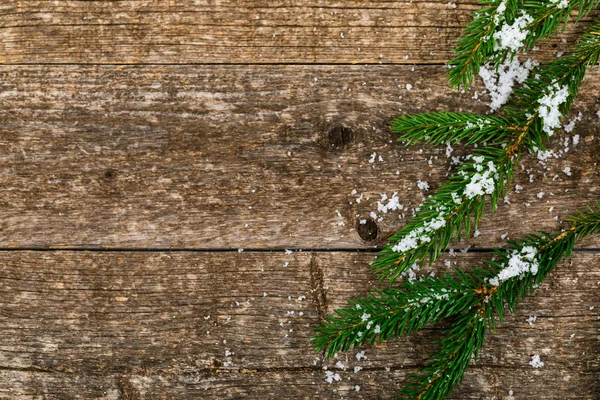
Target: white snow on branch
{"type": "Point", "coordinates": [500, 82]}
{"type": "Point", "coordinates": [512, 36]}
{"type": "Point", "coordinates": [420, 235]}
{"type": "Point", "coordinates": [518, 264]}
{"type": "Point", "coordinates": [549, 105]}
{"type": "Point", "coordinates": [484, 181]}
{"type": "Point", "coordinates": [500, 12]}
{"type": "Point", "coordinates": [560, 3]}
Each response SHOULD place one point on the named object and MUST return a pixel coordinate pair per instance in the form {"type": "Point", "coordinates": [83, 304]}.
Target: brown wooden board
{"type": "Point", "coordinates": [134, 325]}
{"type": "Point", "coordinates": [254, 157]}
{"type": "Point", "coordinates": [215, 32]}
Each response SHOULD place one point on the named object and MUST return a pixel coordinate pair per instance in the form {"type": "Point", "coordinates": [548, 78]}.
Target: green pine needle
{"type": "Point", "coordinates": [448, 365]}
{"type": "Point", "coordinates": [449, 127]}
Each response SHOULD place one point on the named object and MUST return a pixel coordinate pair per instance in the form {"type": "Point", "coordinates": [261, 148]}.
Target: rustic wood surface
{"type": "Point", "coordinates": [129, 325]}
{"type": "Point", "coordinates": [214, 32]}
{"type": "Point", "coordinates": [253, 157]}
{"type": "Point", "coordinates": [143, 142]}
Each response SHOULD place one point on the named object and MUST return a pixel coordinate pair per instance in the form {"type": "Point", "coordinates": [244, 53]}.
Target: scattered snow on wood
{"type": "Point", "coordinates": [536, 362]}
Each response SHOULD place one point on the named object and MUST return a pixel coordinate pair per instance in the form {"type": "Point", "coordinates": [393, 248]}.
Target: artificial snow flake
{"type": "Point", "coordinates": [519, 263]}
{"type": "Point", "coordinates": [330, 377]}
{"type": "Point", "coordinates": [423, 185]}
{"type": "Point", "coordinates": [549, 105]}
{"type": "Point", "coordinates": [536, 362]}
{"type": "Point", "coordinates": [392, 203]}
{"type": "Point", "coordinates": [512, 36]}
{"type": "Point", "coordinates": [500, 82]}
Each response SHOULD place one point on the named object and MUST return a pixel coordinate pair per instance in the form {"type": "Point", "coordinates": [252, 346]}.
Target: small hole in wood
{"type": "Point", "coordinates": [340, 136]}
{"type": "Point", "coordinates": [110, 174]}
{"type": "Point", "coordinates": [367, 231]}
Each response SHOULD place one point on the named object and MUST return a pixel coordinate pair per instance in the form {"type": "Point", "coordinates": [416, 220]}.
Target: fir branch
{"type": "Point", "coordinates": [393, 312]}
{"type": "Point", "coordinates": [537, 20]}
{"type": "Point", "coordinates": [534, 114]}
{"type": "Point", "coordinates": [449, 127]}
{"type": "Point", "coordinates": [476, 45]}
{"type": "Point", "coordinates": [523, 121]}
{"type": "Point", "coordinates": [475, 298]}
{"type": "Point", "coordinates": [552, 15]}
{"type": "Point", "coordinates": [536, 103]}
{"type": "Point", "coordinates": [525, 263]}
{"type": "Point", "coordinates": [520, 269]}
{"type": "Point", "coordinates": [451, 211]}
{"type": "Point", "coordinates": [449, 363]}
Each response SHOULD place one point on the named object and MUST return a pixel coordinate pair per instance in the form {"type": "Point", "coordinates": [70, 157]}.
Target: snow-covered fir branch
{"type": "Point", "coordinates": [505, 27]}
{"type": "Point", "coordinates": [448, 213]}
{"type": "Point", "coordinates": [476, 299]}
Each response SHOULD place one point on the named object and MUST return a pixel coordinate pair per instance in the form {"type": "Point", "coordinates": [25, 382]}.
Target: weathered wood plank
{"type": "Point", "coordinates": [373, 385]}
{"type": "Point", "coordinates": [100, 325]}
{"type": "Point", "coordinates": [257, 157]}
{"type": "Point", "coordinates": [183, 32]}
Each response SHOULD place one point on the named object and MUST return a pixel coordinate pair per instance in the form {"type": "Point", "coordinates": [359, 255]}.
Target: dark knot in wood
{"type": "Point", "coordinates": [340, 136]}
{"type": "Point", "coordinates": [368, 231]}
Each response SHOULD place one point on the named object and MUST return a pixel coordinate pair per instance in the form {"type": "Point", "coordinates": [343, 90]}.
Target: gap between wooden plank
{"type": "Point", "coordinates": [230, 250]}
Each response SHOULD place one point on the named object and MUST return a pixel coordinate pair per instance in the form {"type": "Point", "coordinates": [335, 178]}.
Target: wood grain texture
{"type": "Point", "coordinates": [235, 137]}
{"type": "Point", "coordinates": [254, 157]}
{"type": "Point", "coordinates": [133, 325]}
{"type": "Point", "coordinates": [229, 31]}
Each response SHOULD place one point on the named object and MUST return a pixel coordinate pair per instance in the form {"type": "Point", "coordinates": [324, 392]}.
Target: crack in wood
{"type": "Point", "coordinates": [126, 389]}
{"type": "Point", "coordinates": [318, 288]}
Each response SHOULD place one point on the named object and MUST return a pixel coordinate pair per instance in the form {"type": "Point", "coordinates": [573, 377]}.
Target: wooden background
{"type": "Point", "coordinates": [143, 142]}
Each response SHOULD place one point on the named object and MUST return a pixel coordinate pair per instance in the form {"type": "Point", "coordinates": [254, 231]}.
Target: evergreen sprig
{"type": "Point", "coordinates": [528, 124]}
{"type": "Point", "coordinates": [478, 299]}
{"type": "Point", "coordinates": [448, 365]}
{"type": "Point", "coordinates": [392, 312]}
{"type": "Point", "coordinates": [478, 45]}
{"type": "Point", "coordinates": [522, 113]}
{"type": "Point", "coordinates": [453, 210]}
{"type": "Point", "coordinates": [449, 127]}
{"type": "Point", "coordinates": [566, 72]}
{"type": "Point", "coordinates": [475, 299]}
{"type": "Point", "coordinates": [552, 249]}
